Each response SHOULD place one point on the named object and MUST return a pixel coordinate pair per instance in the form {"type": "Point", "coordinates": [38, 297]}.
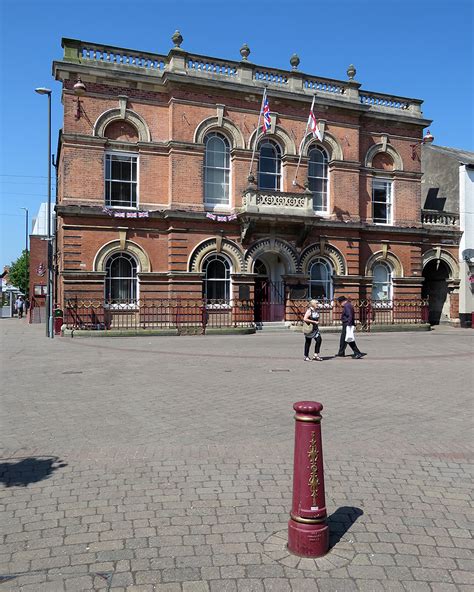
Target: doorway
{"type": "Point", "coordinates": [435, 287]}
{"type": "Point", "coordinates": [269, 294]}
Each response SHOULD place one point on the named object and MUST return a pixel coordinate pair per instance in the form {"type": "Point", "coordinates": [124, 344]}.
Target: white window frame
{"type": "Point", "coordinates": [321, 149]}
{"type": "Point", "coordinates": [279, 176]}
{"type": "Point", "coordinates": [210, 205]}
{"type": "Point", "coordinates": [330, 269]}
{"type": "Point", "coordinates": [389, 203]}
{"type": "Point", "coordinates": [208, 258]}
{"type": "Point", "coordinates": [137, 159]}
{"type": "Point", "coordinates": [377, 302]}
{"type": "Point", "coordinates": [119, 305]}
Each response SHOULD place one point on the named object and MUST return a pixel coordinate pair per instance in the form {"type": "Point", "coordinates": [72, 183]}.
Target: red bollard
{"type": "Point", "coordinates": [308, 533]}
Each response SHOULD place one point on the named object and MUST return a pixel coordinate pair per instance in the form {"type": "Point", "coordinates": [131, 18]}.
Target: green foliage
{"type": "Point", "coordinates": [19, 273]}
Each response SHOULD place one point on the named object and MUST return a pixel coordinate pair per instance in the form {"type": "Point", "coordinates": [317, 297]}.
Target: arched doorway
{"type": "Point", "coordinates": [269, 294]}
{"type": "Point", "coordinates": [436, 274]}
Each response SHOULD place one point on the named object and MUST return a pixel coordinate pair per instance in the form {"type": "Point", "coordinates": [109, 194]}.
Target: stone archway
{"type": "Point", "coordinates": [441, 285]}
{"type": "Point", "coordinates": [271, 260]}
{"type": "Point", "coordinates": [436, 275]}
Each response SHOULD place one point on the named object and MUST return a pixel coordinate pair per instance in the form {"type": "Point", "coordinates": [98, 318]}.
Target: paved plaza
{"type": "Point", "coordinates": [165, 463]}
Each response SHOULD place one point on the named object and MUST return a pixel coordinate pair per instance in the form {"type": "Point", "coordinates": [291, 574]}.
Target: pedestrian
{"type": "Point", "coordinates": [348, 322]}
{"type": "Point", "coordinates": [19, 305]}
{"type": "Point", "coordinates": [311, 331]}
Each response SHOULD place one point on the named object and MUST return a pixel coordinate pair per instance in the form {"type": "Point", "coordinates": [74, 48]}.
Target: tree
{"type": "Point", "coordinates": [19, 272]}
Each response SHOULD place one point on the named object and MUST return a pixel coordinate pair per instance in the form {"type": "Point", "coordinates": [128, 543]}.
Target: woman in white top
{"type": "Point", "coordinates": [311, 317]}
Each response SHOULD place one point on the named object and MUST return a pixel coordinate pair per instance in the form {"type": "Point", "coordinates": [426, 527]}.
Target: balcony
{"type": "Point", "coordinates": [277, 203]}
{"type": "Point", "coordinates": [435, 218]}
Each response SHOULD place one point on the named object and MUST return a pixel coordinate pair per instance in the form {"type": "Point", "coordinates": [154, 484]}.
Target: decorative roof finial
{"type": "Point", "coordinates": [294, 61]}
{"type": "Point", "coordinates": [177, 39]}
{"type": "Point", "coordinates": [351, 72]}
{"type": "Point", "coordinates": [245, 51]}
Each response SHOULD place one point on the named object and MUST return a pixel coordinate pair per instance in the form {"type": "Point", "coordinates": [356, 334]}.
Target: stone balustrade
{"type": "Point", "coordinates": [437, 218]}
{"type": "Point", "coordinates": [277, 202]}
{"type": "Point", "coordinates": [242, 72]}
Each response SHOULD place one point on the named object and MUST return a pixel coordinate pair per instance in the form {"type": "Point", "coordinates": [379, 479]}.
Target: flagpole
{"type": "Point", "coordinates": [258, 128]}
{"type": "Point", "coordinates": [301, 152]}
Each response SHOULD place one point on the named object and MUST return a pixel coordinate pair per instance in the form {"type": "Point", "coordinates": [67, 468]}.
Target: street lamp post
{"type": "Point", "coordinates": [49, 287]}
{"type": "Point", "coordinates": [26, 228]}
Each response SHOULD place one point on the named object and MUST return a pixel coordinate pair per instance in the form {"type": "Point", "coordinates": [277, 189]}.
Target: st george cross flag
{"type": "Point", "coordinates": [266, 115]}
{"type": "Point", "coordinates": [313, 125]}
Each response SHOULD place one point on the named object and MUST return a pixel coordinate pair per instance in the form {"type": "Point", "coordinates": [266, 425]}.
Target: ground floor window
{"type": "Point", "coordinates": [382, 283]}
{"type": "Point", "coordinates": [121, 278]}
{"type": "Point", "coordinates": [320, 280]}
{"type": "Point", "coordinates": [216, 285]}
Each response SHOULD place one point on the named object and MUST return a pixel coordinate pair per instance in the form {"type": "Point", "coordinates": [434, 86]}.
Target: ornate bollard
{"type": "Point", "coordinates": [308, 533]}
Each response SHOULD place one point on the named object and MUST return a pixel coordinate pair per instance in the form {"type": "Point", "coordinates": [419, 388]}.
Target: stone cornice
{"type": "Point", "coordinates": [148, 71]}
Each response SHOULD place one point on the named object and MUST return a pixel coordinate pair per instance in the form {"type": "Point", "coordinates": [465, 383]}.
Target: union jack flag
{"type": "Point", "coordinates": [266, 115]}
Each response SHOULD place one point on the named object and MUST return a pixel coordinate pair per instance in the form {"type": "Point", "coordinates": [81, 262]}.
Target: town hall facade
{"type": "Point", "coordinates": [168, 187]}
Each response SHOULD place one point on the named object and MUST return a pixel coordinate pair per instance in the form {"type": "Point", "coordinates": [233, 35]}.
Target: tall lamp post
{"type": "Point", "coordinates": [49, 287]}
{"type": "Point", "coordinates": [26, 228]}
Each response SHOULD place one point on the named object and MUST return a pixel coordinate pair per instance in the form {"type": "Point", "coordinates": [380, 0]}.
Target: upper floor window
{"type": "Point", "coordinates": [382, 201]}
{"type": "Point", "coordinates": [269, 166]}
{"type": "Point", "coordinates": [318, 178]}
{"type": "Point", "coordinates": [121, 279]}
{"type": "Point", "coordinates": [382, 282]}
{"type": "Point", "coordinates": [320, 280]}
{"type": "Point", "coordinates": [121, 180]}
{"type": "Point", "coordinates": [216, 169]}
{"type": "Point", "coordinates": [216, 270]}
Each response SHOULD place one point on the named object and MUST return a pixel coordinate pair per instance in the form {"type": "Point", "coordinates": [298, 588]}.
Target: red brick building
{"type": "Point", "coordinates": [155, 199]}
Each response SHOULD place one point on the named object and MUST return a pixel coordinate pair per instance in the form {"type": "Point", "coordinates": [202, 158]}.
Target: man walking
{"type": "Point", "coordinates": [348, 320]}
{"type": "Point", "coordinates": [19, 304]}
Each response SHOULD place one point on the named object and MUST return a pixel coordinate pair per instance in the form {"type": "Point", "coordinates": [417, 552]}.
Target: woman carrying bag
{"type": "Point", "coordinates": [311, 331]}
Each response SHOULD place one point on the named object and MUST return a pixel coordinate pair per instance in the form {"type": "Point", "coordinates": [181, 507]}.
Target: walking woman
{"type": "Point", "coordinates": [311, 331]}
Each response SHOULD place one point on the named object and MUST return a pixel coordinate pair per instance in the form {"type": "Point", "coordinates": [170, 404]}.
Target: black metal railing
{"type": "Point", "coordinates": [183, 315]}
{"type": "Point", "coordinates": [196, 315]}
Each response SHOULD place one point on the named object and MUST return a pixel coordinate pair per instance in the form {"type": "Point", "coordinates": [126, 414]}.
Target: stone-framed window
{"type": "Point", "coordinates": [382, 288]}
{"type": "Point", "coordinates": [382, 201]}
{"type": "Point", "coordinates": [318, 178]}
{"type": "Point", "coordinates": [216, 169]}
{"type": "Point", "coordinates": [269, 165]}
{"type": "Point", "coordinates": [320, 279]}
{"type": "Point", "coordinates": [217, 283]}
{"type": "Point", "coordinates": [121, 180]}
{"type": "Point", "coordinates": [121, 280]}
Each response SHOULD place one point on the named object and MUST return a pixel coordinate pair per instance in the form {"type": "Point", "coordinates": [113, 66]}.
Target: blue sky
{"type": "Point", "coordinates": [412, 48]}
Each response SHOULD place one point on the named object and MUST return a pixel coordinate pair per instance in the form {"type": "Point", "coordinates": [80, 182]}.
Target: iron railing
{"type": "Point", "coordinates": [195, 315]}
{"type": "Point", "coordinates": [183, 315]}
{"type": "Point", "coordinates": [368, 312]}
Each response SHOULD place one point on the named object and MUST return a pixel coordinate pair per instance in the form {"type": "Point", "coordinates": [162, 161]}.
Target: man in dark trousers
{"type": "Point", "coordinates": [348, 320]}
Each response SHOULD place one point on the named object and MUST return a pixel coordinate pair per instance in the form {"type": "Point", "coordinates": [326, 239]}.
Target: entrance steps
{"type": "Point", "coordinates": [272, 327]}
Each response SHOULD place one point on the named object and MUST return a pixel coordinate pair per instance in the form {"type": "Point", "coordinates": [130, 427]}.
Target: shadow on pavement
{"type": "Point", "coordinates": [22, 472]}
{"type": "Point", "coordinates": [340, 522]}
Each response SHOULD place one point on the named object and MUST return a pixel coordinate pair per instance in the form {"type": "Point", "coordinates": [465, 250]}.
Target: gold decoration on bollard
{"type": "Point", "coordinates": [313, 460]}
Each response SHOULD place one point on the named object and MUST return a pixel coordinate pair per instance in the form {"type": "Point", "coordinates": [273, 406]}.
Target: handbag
{"type": "Point", "coordinates": [308, 328]}
{"type": "Point", "coordinates": [350, 334]}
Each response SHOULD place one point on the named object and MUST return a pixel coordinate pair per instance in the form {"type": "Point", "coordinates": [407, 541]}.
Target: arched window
{"type": "Point", "coordinates": [269, 165]}
{"type": "Point", "coordinates": [318, 178]}
{"type": "Point", "coordinates": [121, 278]}
{"type": "Point", "coordinates": [320, 280]}
{"type": "Point", "coordinates": [382, 282]}
{"type": "Point", "coordinates": [216, 169]}
{"type": "Point", "coordinates": [216, 270]}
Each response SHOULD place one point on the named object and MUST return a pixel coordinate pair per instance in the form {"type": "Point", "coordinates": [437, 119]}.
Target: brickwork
{"type": "Point", "coordinates": [38, 269]}
{"type": "Point", "coordinates": [171, 181]}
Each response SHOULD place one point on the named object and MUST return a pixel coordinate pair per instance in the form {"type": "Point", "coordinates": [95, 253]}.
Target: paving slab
{"type": "Point", "coordinates": [165, 463]}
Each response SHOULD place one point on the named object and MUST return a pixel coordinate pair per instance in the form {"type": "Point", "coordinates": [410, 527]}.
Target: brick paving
{"type": "Point", "coordinates": [165, 464]}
